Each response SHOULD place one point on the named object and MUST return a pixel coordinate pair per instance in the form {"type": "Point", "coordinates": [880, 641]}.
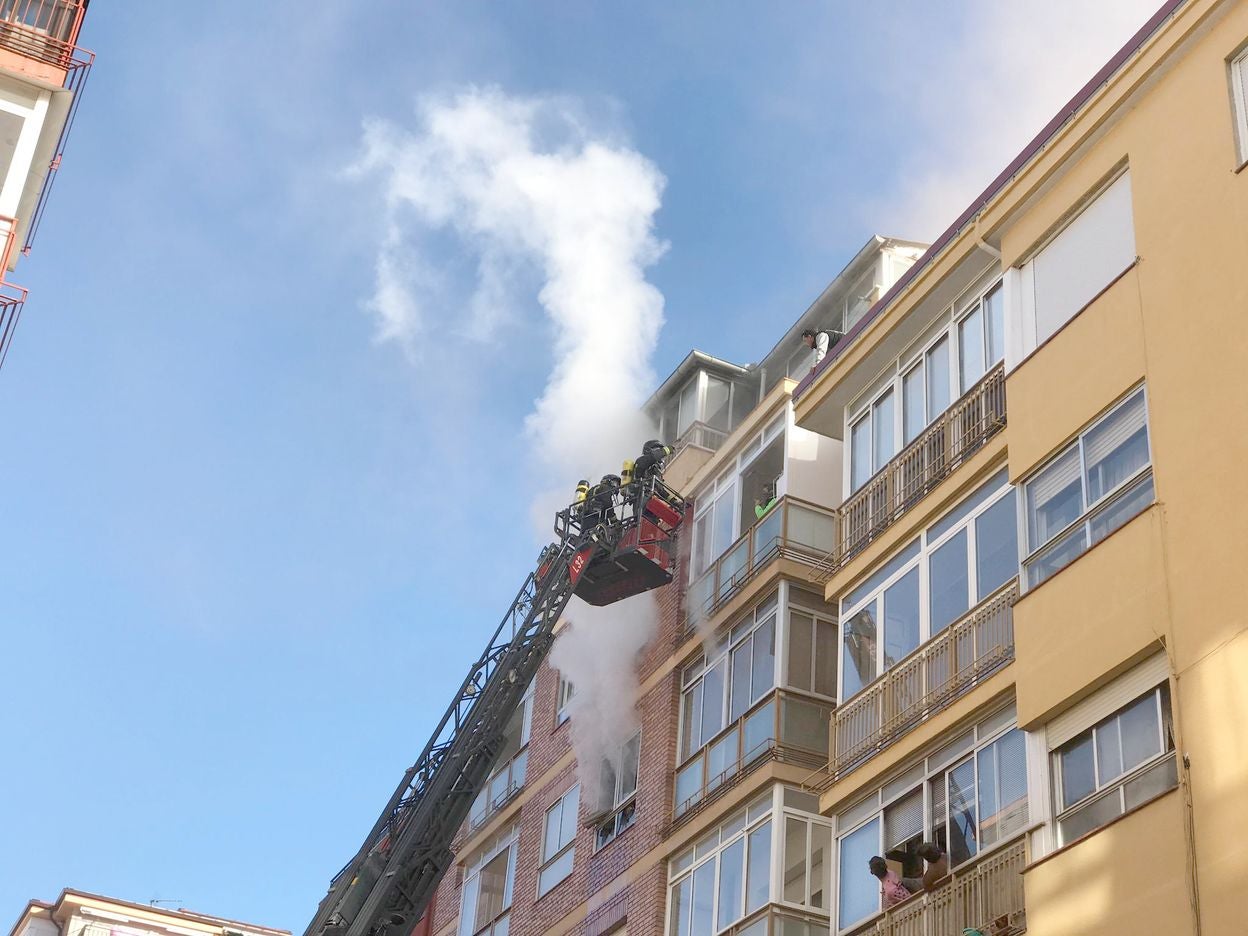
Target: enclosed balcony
{"type": "Point", "coordinates": [44, 30]}
{"type": "Point", "coordinates": [985, 895]}
{"type": "Point", "coordinates": [923, 683]}
{"type": "Point", "coordinates": [785, 726]}
{"type": "Point", "coordinates": [955, 435]}
{"type": "Point", "coordinates": [792, 529]}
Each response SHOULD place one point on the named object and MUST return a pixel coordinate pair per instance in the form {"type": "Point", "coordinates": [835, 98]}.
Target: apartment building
{"type": "Point", "coordinates": [992, 606]}
{"type": "Point", "coordinates": [42, 72]}
{"type": "Point", "coordinates": [78, 913]}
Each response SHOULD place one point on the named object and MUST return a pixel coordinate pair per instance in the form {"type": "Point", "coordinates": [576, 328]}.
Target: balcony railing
{"type": "Point", "coordinates": [919, 686]}
{"type": "Point", "coordinates": [784, 726]}
{"type": "Point", "coordinates": [44, 30]}
{"type": "Point", "coordinates": [12, 300]}
{"type": "Point", "coordinates": [793, 529]}
{"type": "Point", "coordinates": [986, 895]}
{"type": "Point", "coordinates": [701, 435]}
{"type": "Point", "coordinates": [959, 432]}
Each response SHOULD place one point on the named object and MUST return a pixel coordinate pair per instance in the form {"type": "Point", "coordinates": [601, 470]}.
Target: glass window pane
{"type": "Point", "coordinates": [794, 861]}
{"type": "Point", "coordinates": [758, 872]}
{"type": "Point", "coordinates": [913, 408]}
{"type": "Point", "coordinates": [628, 770]}
{"type": "Point", "coordinates": [1058, 555]}
{"type": "Point", "coordinates": [764, 662]}
{"type": "Point", "coordinates": [825, 658]}
{"type": "Point", "coordinates": [860, 453]}
{"type": "Point", "coordinates": [1054, 499]}
{"type": "Point", "coordinates": [691, 721]}
{"type": "Point", "coordinates": [1124, 505]}
{"type": "Point", "coordinates": [703, 899]}
{"type": "Point", "coordinates": [688, 785]}
{"type": "Point", "coordinates": [1141, 734]}
{"type": "Point", "coordinates": [947, 583]}
{"type": "Point", "coordinates": [717, 402]}
{"type": "Point", "coordinates": [859, 653]}
{"type": "Point", "coordinates": [702, 543]}
{"type": "Point", "coordinates": [988, 801]}
{"type": "Point", "coordinates": [820, 845]}
{"type": "Point", "coordinates": [739, 701]}
{"type": "Point", "coordinates": [468, 912]}
{"type": "Point", "coordinates": [1002, 789]}
{"type": "Point", "coordinates": [731, 891]}
{"type": "Point", "coordinates": [994, 314]}
{"type": "Point", "coordinates": [882, 430]}
{"type": "Point", "coordinates": [901, 618]}
{"type": "Point", "coordinates": [721, 760]}
{"type": "Point", "coordinates": [938, 389]}
{"type": "Point", "coordinates": [971, 348]}
{"type": "Point", "coordinates": [963, 829]}
{"type": "Point", "coordinates": [801, 649]}
{"type": "Point", "coordinates": [859, 892]}
{"type": "Point", "coordinates": [1078, 775]}
{"type": "Point", "coordinates": [1108, 752]}
{"type": "Point", "coordinates": [758, 731]}
{"type": "Point", "coordinates": [1092, 816]}
{"type": "Point", "coordinates": [885, 572]}
{"type": "Point", "coordinates": [1116, 448]}
{"type": "Point", "coordinates": [724, 517]}
{"type": "Point", "coordinates": [996, 546]}
{"type": "Point", "coordinates": [713, 700]}
{"type": "Point", "coordinates": [556, 871]}
{"type": "Point", "coordinates": [550, 842]}
{"type": "Point", "coordinates": [688, 406]}
{"type": "Point", "coordinates": [1152, 782]}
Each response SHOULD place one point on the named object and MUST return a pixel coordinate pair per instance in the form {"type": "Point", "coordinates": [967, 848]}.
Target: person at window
{"type": "Point", "coordinates": [892, 890]}
{"type": "Point", "coordinates": [819, 341]}
{"type": "Point", "coordinates": [937, 865]}
{"type": "Point", "coordinates": [766, 500]}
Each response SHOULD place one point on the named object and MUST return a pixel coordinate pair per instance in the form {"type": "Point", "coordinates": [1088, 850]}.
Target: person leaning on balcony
{"type": "Point", "coordinates": [819, 340]}
{"type": "Point", "coordinates": [937, 865]}
{"type": "Point", "coordinates": [892, 890]}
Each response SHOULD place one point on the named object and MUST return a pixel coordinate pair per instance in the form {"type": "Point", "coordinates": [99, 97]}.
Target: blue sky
{"type": "Point", "coordinates": [249, 546]}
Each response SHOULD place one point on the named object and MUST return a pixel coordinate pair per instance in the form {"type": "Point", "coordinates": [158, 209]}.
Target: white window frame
{"type": "Point", "coordinates": [507, 840]}
{"type": "Point", "coordinates": [928, 545]}
{"type": "Point", "coordinates": [919, 776]}
{"type": "Point", "coordinates": [563, 695]}
{"type": "Point", "coordinates": [572, 798]}
{"type": "Point", "coordinates": [710, 494]}
{"type": "Point", "coordinates": [1091, 511]}
{"type": "Point", "coordinates": [623, 804]}
{"type": "Point", "coordinates": [1238, 75]}
{"type": "Point", "coordinates": [736, 828]}
{"type": "Point", "coordinates": [817, 616]}
{"type": "Point", "coordinates": [728, 640]}
{"type": "Point", "coordinates": [953, 315]}
{"type": "Point", "coordinates": [1116, 785]}
{"type": "Point", "coordinates": [513, 770]}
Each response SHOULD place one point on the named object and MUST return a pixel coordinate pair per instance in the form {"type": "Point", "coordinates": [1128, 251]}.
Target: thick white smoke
{"type": "Point", "coordinates": [534, 197]}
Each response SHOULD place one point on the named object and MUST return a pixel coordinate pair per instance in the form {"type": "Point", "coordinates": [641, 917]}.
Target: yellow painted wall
{"type": "Point", "coordinates": [1126, 879]}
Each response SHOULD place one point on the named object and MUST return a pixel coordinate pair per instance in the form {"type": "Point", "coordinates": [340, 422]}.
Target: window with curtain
{"type": "Point", "coordinates": [968, 795]}
{"type": "Point", "coordinates": [1089, 489]}
{"type": "Point", "coordinates": [956, 563]}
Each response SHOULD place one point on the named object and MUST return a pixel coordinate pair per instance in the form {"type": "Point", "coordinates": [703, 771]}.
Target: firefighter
{"type": "Point", "coordinates": [582, 491]}
{"type": "Point", "coordinates": [653, 454]}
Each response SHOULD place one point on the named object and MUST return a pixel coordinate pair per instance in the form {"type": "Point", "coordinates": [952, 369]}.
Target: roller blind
{"type": "Point", "coordinates": [903, 820]}
{"type": "Point", "coordinates": [1084, 258]}
{"type": "Point", "coordinates": [1104, 702]}
{"type": "Point", "coordinates": [1113, 431]}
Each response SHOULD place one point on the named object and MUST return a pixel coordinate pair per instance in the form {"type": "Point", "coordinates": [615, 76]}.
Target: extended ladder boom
{"type": "Point", "coordinates": [390, 881]}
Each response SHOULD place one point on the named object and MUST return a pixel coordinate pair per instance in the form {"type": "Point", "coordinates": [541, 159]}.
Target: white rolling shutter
{"type": "Point", "coordinates": [1101, 704]}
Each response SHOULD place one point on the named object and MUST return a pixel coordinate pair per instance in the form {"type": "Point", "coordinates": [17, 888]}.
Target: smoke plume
{"type": "Point", "coordinates": [541, 203]}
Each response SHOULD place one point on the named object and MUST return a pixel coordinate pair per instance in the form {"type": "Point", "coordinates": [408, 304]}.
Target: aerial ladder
{"type": "Point", "coordinates": [615, 544]}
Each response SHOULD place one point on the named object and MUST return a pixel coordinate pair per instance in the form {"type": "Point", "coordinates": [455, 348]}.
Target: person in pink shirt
{"type": "Point", "coordinates": [892, 891]}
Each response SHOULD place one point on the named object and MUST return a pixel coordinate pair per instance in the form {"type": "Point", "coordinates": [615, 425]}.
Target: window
{"type": "Point", "coordinates": [619, 791]}
{"type": "Point", "coordinates": [955, 564]}
{"type": "Point", "coordinates": [488, 881]}
{"type": "Point", "coordinates": [559, 841]}
{"type": "Point", "coordinates": [1089, 489]}
{"type": "Point", "coordinates": [1087, 255]}
{"type": "Point", "coordinates": [509, 771]}
{"type": "Point", "coordinates": [968, 795]}
{"type": "Point", "coordinates": [1119, 763]}
{"type": "Point", "coordinates": [812, 652]}
{"type": "Point", "coordinates": [1239, 95]}
{"type": "Point", "coordinates": [725, 876]}
{"type": "Point", "coordinates": [565, 693]}
{"type": "Point", "coordinates": [720, 686]}
{"type": "Point", "coordinates": [806, 853]}
{"type": "Point", "coordinates": [949, 362]}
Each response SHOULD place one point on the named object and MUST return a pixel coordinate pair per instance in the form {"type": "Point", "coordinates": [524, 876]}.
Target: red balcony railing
{"type": "Point", "coordinates": [43, 30]}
